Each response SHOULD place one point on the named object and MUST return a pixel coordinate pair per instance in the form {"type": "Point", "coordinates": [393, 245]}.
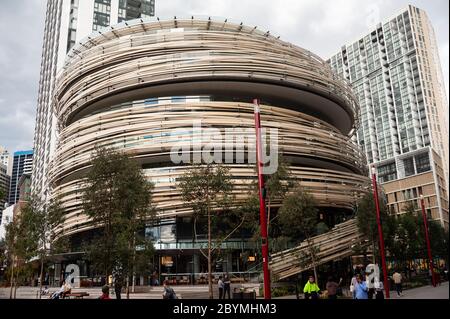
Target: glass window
{"type": "Point", "coordinates": [409, 166]}
{"type": "Point", "coordinates": [422, 163]}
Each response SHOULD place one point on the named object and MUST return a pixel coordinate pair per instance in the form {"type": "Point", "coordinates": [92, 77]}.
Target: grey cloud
{"type": "Point", "coordinates": [320, 26]}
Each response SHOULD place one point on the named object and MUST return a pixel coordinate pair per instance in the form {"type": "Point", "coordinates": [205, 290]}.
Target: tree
{"type": "Point", "coordinates": [277, 185]}
{"type": "Point", "coordinates": [118, 199]}
{"type": "Point", "coordinates": [298, 217]}
{"type": "Point", "coordinates": [206, 188]}
{"type": "Point", "coordinates": [366, 218]}
{"type": "Point", "coordinates": [407, 240]}
{"type": "Point", "coordinates": [21, 244]}
{"type": "Point", "coordinates": [48, 217]}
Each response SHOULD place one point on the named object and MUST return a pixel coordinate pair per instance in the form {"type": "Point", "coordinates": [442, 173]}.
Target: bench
{"type": "Point", "coordinates": [76, 295]}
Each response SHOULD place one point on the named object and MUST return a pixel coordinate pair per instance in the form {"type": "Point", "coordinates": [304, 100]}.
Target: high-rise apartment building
{"type": "Point", "coordinates": [22, 164]}
{"type": "Point", "coordinates": [395, 72]}
{"type": "Point", "coordinates": [6, 159]}
{"type": "Point", "coordinates": [4, 187]}
{"type": "Point", "coordinates": [67, 22]}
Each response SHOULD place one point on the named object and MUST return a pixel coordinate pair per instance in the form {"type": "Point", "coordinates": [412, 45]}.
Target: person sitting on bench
{"type": "Point", "coordinates": [66, 288]}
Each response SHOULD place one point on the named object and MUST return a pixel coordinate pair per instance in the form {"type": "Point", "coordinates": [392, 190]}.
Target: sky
{"type": "Point", "coordinates": [321, 26]}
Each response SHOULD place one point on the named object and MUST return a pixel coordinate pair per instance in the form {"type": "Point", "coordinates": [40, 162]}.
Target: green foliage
{"type": "Point", "coordinates": [279, 183]}
{"type": "Point", "coordinates": [118, 199]}
{"type": "Point", "coordinates": [298, 218]}
{"type": "Point", "coordinates": [298, 215]}
{"type": "Point", "coordinates": [366, 216]}
{"type": "Point", "coordinates": [207, 188]}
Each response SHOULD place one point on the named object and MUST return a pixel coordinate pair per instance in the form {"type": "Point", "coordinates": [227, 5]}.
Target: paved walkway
{"type": "Point", "coordinates": [183, 292]}
{"type": "Point", "coordinates": [426, 292]}
{"type": "Point", "coordinates": [201, 292]}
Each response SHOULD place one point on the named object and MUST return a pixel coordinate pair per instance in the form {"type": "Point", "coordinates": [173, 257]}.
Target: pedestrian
{"type": "Point", "coordinates": [168, 293]}
{"type": "Point", "coordinates": [311, 290]}
{"type": "Point", "coordinates": [353, 283]}
{"type": "Point", "coordinates": [379, 289]}
{"type": "Point", "coordinates": [221, 285]}
{"type": "Point", "coordinates": [118, 284]}
{"type": "Point", "coordinates": [105, 293]}
{"type": "Point", "coordinates": [332, 288]}
{"type": "Point", "coordinates": [397, 277]}
{"type": "Point", "coordinates": [360, 288]}
{"type": "Point", "coordinates": [227, 286]}
{"type": "Point", "coordinates": [370, 286]}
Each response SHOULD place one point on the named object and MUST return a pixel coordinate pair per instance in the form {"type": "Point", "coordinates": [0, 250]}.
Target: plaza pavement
{"type": "Point", "coordinates": [185, 292]}
{"type": "Point", "coordinates": [426, 292]}
{"type": "Point", "coordinates": [201, 292]}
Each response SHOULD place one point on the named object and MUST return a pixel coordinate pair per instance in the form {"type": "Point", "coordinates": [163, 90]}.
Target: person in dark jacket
{"type": "Point", "coordinates": [118, 284]}
{"type": "Point", "coordinates": [226, 286]}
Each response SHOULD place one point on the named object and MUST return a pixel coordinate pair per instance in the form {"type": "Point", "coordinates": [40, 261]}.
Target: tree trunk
{"type": "Point", "coordinates": [268, 216]}
{"type": "Point", "coordinates": [134, 261]}
{"type": "Point", "coordinates": [40, 276]}
{"type": "Point", "coordinates": [15, 283]}
{"type": "Point", "coordinates": [12, 277]}
{"type": "Point", "coordinates": [211, 296]}
{"type": "Point", "coordinates": [313, 257]}
{"type": "Point", "coordinates": [128, 286]}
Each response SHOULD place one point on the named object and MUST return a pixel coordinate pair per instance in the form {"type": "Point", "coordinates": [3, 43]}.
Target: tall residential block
{"type": "Point", "coordinates": [395, 72]}
{"type": "Point", "coordinates": [22, 164]}
{"type": "Point", "coordinates": [6, 159]}
{"type": "Point", "coordinates": [67, 22]}
{"type": "Point", "coordinates": [4, 187]}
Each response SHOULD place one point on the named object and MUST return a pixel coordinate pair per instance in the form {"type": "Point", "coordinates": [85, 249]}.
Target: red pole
{"type": "Point", "coordinates": [262, 204]}
{"type": "Point", "coordinates": [380, 233]}
{"type": "Point", "coordinates": [427, 238]}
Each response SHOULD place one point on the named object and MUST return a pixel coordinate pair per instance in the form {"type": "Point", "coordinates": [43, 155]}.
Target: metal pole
{"type": "Point", "coordinates": [380, 233]}
{"type": "Point", "coordinates": [262, 204]}
{"type": "Point", "coordinates": [427, 238]}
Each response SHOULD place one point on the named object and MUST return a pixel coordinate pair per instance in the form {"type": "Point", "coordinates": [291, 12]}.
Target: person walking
{"type": "Point", "coordinates": [353, 283]}
{"type": "Point", "coordinates": [226, 286]}
{"type": "Point", "coordinates": [379, 289]}
{"type": "Point", "coordinates": [118, 284]}
{"type": "Point", "coordinates": [397, 277]}
{"type": "Point", "coordinates": [370, 282]}
{"type": "Point", "coordinates": [332, 288]}
{"type": "Point", "coordinates": [311, 290]}
{"type": "Point", "coordinates": [360, 288]}
{"type": "Point", "coordinates": [221, 285]}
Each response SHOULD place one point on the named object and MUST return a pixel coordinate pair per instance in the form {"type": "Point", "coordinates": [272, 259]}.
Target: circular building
{"type": "Point", "coordinates": [139, 87]}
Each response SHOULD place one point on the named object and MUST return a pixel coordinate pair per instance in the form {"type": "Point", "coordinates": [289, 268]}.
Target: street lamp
{"type": "Point", "coordinates": [380, 232]}
{"type": "Point", "coordinates": [262, 203]}
{"type": "Point", "coordinates": [427, 238]}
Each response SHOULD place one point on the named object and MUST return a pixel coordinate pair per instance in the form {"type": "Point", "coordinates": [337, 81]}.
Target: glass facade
{"type": "Point", "coordinates": [102, 14]}
{"type": "Point", "coordinates": [22, 164]}
{"type": "Point", "coordinates": [72, 35]}
{"type": "Point", "coordinates": [133, 9]}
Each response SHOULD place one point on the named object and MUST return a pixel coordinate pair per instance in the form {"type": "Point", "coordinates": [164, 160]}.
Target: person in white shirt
{"type": "Point", "coordinates": [221, 285]}
{"type": "Point", "coordinates": [379, 289]}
